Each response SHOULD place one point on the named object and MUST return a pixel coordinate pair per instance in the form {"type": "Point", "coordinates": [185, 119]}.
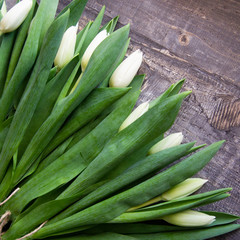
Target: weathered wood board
{"type": "Point", "coordinates": [199, 41]}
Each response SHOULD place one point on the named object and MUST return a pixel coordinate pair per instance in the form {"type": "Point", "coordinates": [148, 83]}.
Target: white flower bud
{"type": "Point", "coordinates": [137, 113]}
{"type": "Point", "coordinates": [92, 46]}
{"type": "Point", "coordinates": [126, 71]}
{"type": "Point", "coordinates": [183, 189]}
{"type": "Point", "coordinates": [189, 218]}
{"type": "Point", "coordinates": [4, 9]}
{"type": "Point", "coordinates": [67, 47]}
{"type": "Point", "coordinates": [168, 142]}
{"type": "Point", "coordinates": [15, 16]}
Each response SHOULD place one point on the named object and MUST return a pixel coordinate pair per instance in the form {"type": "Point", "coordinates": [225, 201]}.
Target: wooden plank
{"type": "Point", "coordinates": [196, 40]}
{"type": "Point", "coordinates": [204, 33]}
{"type": "Point", "coordinates": [199, 41]}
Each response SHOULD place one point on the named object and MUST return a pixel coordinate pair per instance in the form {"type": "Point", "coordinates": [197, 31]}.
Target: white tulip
{"type": "Point", "coordinates": [169, 141]}
{"type": "Point", "coordinates": [67, 47]}
{"type": "Point", "coordinates": [4, 9]}
{"type": "Point", "coordinates": [92, 46]}
{"type": "Point", "coordinates": [126, 71]}
{"type": "Point", "coordinates": [137, 113]}
{"type": "Point", "coordinates": [183, 189]}
{"type": "Point", "coordinates": [189, 218]}
{"type": "Point", "coordinates": [15, 16]}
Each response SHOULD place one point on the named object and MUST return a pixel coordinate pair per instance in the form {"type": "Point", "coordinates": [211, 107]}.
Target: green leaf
{"type": "Point", "coordinates": [42, 211]}
{"type": "Point", "coordinates": [81, 38]}
{"type": "Point", "coordinates": [146, 128]}
{"type": "Point", "coordinates": [76, 8]}
{"type": "Point", "coordinates": [170, 207]}
{"type": "Point", "coordinates": [46, 103]}
{"type": "Point", "coordinates": [157, 226]}
{"type": "Point", "coordinates": [110, 26]}
{"type": "Point", "coordinates": [19, 43]}
{"type": "Point", "coordinates": [199, 234]}
{"type": "Point", "coordinates": [221, 218]}
{"type": "Point", "coordinates": [5, 54]}
{"type": "Point", "coordinates": [108, 52]}
{"type": "Point", "coordinates": [131, 228]}
{"type": "Point", "coordinates": [101, 236]}
{"type": "Point", "coordinates": [152, 123]}
{"type": "Point", "coordinates": [4, 127]}
{"type": "Point", "coordinates": [171, 91]}
{"type": "Point", "coordinates": [70, 164]}
{"type": "Point", "coordinates": [92, 32]}
{"type": "Point", "coordinates": [29, 53]}
{"type": "Point", "coordinates": [137, 171]}
{"type": "Point", "coordinates": [33, 92]}
{"type": "Point", "coordinates": [96, 102]}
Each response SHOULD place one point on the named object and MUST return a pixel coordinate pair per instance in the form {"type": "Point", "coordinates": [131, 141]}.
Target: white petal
{"type": "Point", "coordinates": [15, 16]}
{"type": "Point", "coordinates": [184, 189]}
{"type": "Point", "coordinates": [169, 141]}
{"type": "Point", "coordinates": [92, 46]}
{"type": "Point", "coordinates": [190, 218]}
{"type": "Point", "coordinates": [67, 47]}
{"type": "Point", "coordinates": [137, 113]}
{"type": "Point", "coordinates": [126, 71]}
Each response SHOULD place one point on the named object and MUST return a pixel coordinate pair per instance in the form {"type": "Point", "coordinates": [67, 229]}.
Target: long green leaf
{"type": "Point", "coordinates": [96, 102]}
{"type": "Point", "coordinates": [81, 38]}
{"type": "Point", "coordinates": [92, 32]}
{"type": "Point", "coordinates": [137, 171]}
{"type": "Point", "coordinates": [101, 236]}
{"type": "Point", "coordinates": [157, 226]}
{"type": "Point", "coordinates": [5, 54]}
{"type": "Point", "coordinates": [108, 52]}
{"type": "Point", "coordinates": [168, 208]}
{"type": "Point", "coordinates": [118, 204]}
{"type": "Point", "coordinates": [33, 92]}
{"type": "Point", "coordinates": [199, 234]}
{"type": "Point", "coordinates": [29, 53]}
{"type": "Point", "coordinates": [153, 123]}
{"type": "Point", "coordinates": [76, 8]}
{"type": "Point", "coordinates": [46, 103]}
{"type": "Point", "coordinates": [114, 150]}
{"type": "Point", "coordinates": [172, 90]}
{"type": "Point", "coordinates": [110, 26]}
{"type": "Point", "coordinates": [42, 211]}
{"type": "Point", "coordinates": [221, 218]}
{"type": "Point", "coordinates": [77, 158]}
{"type": "Point", "coordinates": [20, 40]}
{"type": "Point", "coordinates": [4, 130]}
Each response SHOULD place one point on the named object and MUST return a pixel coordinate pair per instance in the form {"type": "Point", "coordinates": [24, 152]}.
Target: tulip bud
{"type": "Point", "coordinates": [137, 113]}
{"type": "Point", "coordinates": [67, 47]}
{"type": "Point", "coordinates": [92, 46]}
{"type": "Point", "coordinates": [15, 16]}
{"type": "Point", "coordinates": [183, 189]}
{"type": "Point", "coordinates": [189, 218]}
{"type": "Point", "coordinates": [4, 9]}
{"type": "Point", "coordinates": [168, 142]}
{"type": "Point", "coordinates": [126, 71]}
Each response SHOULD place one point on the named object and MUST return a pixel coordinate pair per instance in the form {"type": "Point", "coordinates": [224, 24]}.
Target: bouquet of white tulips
{"type": "Point", "coordinates": [76, 161]}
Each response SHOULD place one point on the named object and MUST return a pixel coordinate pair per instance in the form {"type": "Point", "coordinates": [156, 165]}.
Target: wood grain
{"type": "Point", "coordinates": [196, 40]}
{"type": "Point", "coordinates": [199, 41]}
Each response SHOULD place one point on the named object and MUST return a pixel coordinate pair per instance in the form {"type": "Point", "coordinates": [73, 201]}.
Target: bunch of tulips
{"type": "Point", "coordinates": [76, 161]}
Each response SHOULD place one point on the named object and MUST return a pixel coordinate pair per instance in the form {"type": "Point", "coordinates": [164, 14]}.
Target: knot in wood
{"type": "Point", "coordinates": [184, 39]}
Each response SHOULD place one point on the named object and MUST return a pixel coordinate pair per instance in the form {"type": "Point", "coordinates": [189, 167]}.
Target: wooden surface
{"type": "Point", "coordinates": [197, 40]}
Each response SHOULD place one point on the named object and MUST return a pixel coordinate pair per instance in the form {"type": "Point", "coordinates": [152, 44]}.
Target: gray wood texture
{"type": "Point", "coordinates": [197, 40]}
